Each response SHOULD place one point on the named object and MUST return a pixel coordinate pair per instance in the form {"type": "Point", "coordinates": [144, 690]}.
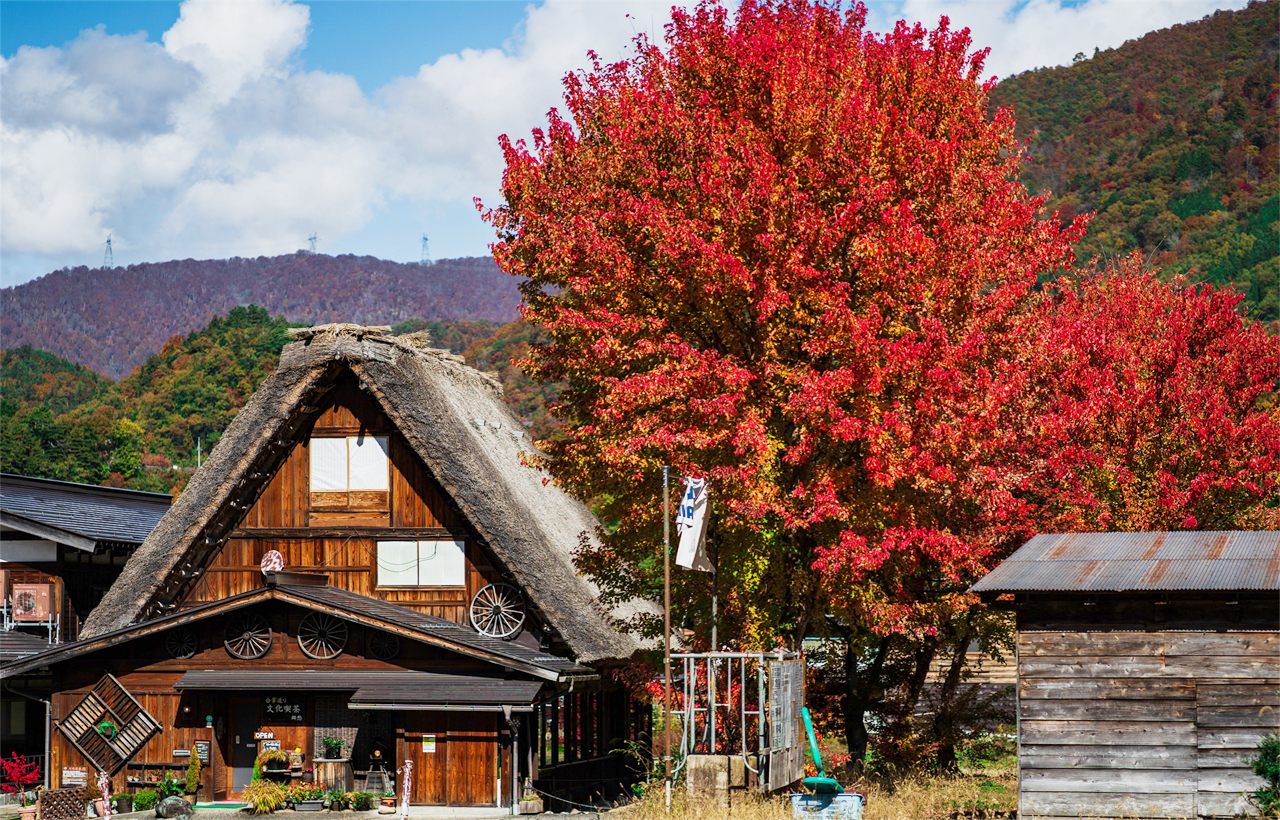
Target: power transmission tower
{"type": "Point", "coordinates": [426, 257]}
{"type": "Point", "coordinates": [108, 261]}
{"type": "Point", "coordinates": [312, 240]}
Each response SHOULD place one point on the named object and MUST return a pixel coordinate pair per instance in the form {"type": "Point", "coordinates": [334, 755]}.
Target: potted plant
{"type": "Point", "coordinates": [332, 747]}
{"type": "Point", "coordinates": [307, 796]}
{"type": "Point", "coordinates": [169, 787]}
{"type": "Point", "coordinates": [123, 802]}
{"type": "Point", "coordinates": [388, 803]}
{"type": "Point", "coordinates": [192, 783]}
{"type": "Point", "coordinates": [274, 762]}
{"type": "Point", "coordinates": [19, 774]}
{"type": "Point", "coordinates": [335, 800]}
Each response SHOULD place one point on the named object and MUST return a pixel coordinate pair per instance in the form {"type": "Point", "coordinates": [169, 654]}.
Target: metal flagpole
{"type": "Point", "coordinates": [666, 614]}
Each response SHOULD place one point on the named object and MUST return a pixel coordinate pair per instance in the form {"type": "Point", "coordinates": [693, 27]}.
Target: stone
{"type": "Point", "coordinates": [737, 772]}
{"type": "Point", "coordinates": [171, 807]}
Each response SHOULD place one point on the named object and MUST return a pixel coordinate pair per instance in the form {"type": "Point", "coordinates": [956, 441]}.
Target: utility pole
{"type": "Point", "coordinates": [108, 260]}
{"type": "Point", "coordinates": [426, 257]}
{"type": "Point", "coordinates": [666, 615]}
{"type": "Point", "coordinates": [312, 240]}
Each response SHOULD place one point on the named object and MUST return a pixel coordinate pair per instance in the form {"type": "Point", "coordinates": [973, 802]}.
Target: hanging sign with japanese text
{"type": "Point", "coordinates": [284, 707]}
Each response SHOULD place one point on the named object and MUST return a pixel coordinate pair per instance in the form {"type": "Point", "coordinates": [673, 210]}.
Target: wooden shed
{"type": "Point", "coordinates": [1148, 670]}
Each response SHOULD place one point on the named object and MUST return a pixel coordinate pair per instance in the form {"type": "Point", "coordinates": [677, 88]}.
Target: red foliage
{"type": "Point", "coordinates": [19, 775]}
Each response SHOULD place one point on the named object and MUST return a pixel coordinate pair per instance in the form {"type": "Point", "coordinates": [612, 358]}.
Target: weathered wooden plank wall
{"type": "Point", "coordinates": [1142, 724]}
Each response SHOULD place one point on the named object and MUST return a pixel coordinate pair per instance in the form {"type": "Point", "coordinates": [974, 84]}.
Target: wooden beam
{"type": "Point", "coordinates": [294, 533]}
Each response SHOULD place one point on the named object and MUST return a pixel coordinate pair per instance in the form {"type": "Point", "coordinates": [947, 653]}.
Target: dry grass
{"type": "Point", "coordinates": [911, 798]}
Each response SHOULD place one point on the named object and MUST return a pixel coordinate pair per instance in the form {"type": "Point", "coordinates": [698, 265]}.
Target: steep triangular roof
{"type": "Point", "coordinates": [455, 420]}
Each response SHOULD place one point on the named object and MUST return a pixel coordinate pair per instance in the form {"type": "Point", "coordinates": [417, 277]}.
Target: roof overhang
{"type": "Point", "coordinates": [50, 533]}
{"type": "Point", "coordinates": [64, 652]}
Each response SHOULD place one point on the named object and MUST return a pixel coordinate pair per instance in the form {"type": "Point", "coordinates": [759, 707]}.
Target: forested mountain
{"type": "Point", "coordinates": [112, 320]}
{"type": "Point", "coordinates": [61, 420]}
{"type": "Point", "coordinates": [1172, 139]}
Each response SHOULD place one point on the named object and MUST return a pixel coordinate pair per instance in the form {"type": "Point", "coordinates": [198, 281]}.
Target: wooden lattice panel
{"type": "Point", "coordinates": [61, 804]}
{"type": "Point", "coordinates": [108, 701]}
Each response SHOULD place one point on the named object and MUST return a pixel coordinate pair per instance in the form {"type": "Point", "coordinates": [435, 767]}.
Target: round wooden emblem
{"type": "Point", "coordinates": [273, 561]}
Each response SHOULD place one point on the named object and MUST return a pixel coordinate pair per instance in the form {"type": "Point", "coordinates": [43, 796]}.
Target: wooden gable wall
{"type": "Point", "coordinates": [318, 533]}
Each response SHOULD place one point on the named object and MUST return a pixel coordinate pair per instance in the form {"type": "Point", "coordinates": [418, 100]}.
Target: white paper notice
{"type": "Point", "coordinates": [442, 563]}
{"type": "Point", "coordinates": [328, 465]}
{"type": "Point", "coordinates": [368, 462]}
{"type": "Point", "coordinates": [397, 563]}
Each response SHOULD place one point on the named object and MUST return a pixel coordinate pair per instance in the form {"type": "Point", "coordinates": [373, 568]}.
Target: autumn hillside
{"type": "Point", "coordinates": [1172, 139]}
{"type": "Point", "coordinates": [112, 320]}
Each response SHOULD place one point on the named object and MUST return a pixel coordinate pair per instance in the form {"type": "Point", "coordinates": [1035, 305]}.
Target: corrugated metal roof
{"type": "Point", "coordinates": [100, 513]}
{"type": "Point", "coordinates": [15, 644]}
{"type": "Point", "coordinates": [1140, 562]}
{"type": "Point", "coordinates": [374, 687]}
{"type": "Point", "coordinates": [439, 627]}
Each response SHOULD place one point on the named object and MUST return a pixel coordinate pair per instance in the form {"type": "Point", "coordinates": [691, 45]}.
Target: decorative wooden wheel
{"type": "Point", "coordinates": [247, 637]}
{"type": "Point", "coordinates": [384, 646]}
{"type": "Point", "coordinates": [498, 611]}
{"type": "Point", "coordinates": [322, 636]}
{"type": "Point", "coordinates": [181, 644]}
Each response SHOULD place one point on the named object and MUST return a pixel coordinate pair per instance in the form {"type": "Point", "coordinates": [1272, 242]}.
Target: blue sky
{"type": "Point", "coordinates": [240, 128]}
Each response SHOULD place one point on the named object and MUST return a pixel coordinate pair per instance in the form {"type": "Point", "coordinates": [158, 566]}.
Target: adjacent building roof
{"type": "Point", "coordinates": [15, 644]}
{"type": "Point", "coordinates": [74, 514]}
{"type": "Point", "coordinates": [1140, 562]}
{"type": "Point", "coordinates": [452, 416]}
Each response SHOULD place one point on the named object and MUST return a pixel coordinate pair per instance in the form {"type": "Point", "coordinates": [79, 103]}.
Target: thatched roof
{"type": "Point", "coordinates": [455, 420]}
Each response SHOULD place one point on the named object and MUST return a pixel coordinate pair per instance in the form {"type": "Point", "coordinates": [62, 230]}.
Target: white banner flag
{"type": "Point", "coordinates": [692, 526]}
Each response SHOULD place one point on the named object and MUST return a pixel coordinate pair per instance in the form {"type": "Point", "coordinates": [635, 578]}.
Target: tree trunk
{"type": "Point", "coordinates": [944, 719]}
{"type": "Point", "coordinates": [860, 696]}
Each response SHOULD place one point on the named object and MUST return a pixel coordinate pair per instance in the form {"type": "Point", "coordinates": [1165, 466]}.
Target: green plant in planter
{"type": "Point", "coordinates": [1267, 766]}
{"type": "Point", "coordinates": [332, 747]}
{"type": "Point", "coordinates": [264, 796]}
{"type": "Point", "coordinates": [145, 799]}
{"type": "Point", "coordinates": [168, 787]}
{"type": "Point", "coordinates": [193, 773]}
{"type": "Point", "coordinates": [273, 759]}
{"type": "Point", "coordinates": [335, 800]}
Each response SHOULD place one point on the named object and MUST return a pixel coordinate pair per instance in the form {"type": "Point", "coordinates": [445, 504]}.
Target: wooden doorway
{"type": "Point", "coordinates": [246, 718]}
{"type": "Point", "coordinates": [455, 758]}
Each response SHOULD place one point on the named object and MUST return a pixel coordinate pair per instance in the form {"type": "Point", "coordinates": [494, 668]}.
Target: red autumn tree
{"type": "Point", "coordinates": [791, 256]}
{"type": "Point", "coordinates": [1156, 407]}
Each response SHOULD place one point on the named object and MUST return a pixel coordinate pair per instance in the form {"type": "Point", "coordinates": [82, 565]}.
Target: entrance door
{"type": "Point", "coordinates": [455, 758]}
{"type": "Point", "coordinates": [473, 759]}
{"type": "Point", "coordinates": [245, 721]}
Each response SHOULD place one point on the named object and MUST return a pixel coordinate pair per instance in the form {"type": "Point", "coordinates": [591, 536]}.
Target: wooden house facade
{"type": "Point", "coordinates": [363, 558]}
{"type": "Point", "coordinates": [1148, 669]}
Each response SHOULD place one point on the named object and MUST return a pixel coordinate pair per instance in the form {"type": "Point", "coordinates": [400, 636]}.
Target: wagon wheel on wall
{"type": "Point", "coordinates": [247, 637]}
{"type": "Point", "coordinates": [322, 636]}
{"type": "Point", "coordinates": [383, 645]}
{"type": "Point", "coordinates": [497, 611]}
{"type": "Point", "coordinates": [181, 644]}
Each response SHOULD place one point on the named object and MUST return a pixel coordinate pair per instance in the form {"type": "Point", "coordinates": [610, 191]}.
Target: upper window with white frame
{"type": "Point", "coordinates": [342, 464]}
{"type": "Point", "coordinates": [422, 564]}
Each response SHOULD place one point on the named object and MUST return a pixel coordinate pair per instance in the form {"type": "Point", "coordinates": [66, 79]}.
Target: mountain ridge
{"type": "Point", "coordinates": [68, 312]}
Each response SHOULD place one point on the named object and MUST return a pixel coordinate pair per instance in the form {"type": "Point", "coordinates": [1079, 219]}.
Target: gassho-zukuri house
{"type": "Point", "coordinates": [363, 558]}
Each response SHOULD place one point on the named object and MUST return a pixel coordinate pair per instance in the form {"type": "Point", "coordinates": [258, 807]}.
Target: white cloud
{"type": "Point", "coordinates": [217, 144]}
{"type": "Point", "coordinates": [1028, 34]}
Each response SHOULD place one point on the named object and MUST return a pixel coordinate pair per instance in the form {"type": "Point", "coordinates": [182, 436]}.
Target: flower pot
{"type": "Point", "coordinates": [124, 804]}
{"type": "Point", "coordinates": [100, 807]}
{"type": "Point", "coordinates": [308, 805]}
{"type": "Point", "coordinates": [27, 813]}
{"type": "Point", "coordinates": [190, 798]}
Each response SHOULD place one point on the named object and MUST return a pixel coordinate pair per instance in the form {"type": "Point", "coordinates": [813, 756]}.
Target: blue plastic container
{"type": "Point", "coordinates": [845, 806]}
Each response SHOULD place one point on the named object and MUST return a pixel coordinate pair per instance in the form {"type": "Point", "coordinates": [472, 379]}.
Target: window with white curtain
{"type": "Point", "coordinates": [343, 463]}
{"type": "Point", "coordinates": [422, 564]}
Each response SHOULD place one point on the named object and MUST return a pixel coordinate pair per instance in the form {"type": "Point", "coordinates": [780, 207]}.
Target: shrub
{"type": "Point", "coordinates": [264, 796]}
{"type": "Point", "coordinates": [359, 801]}
{"type": "Point", "coordinates": [193, 774]}
{"type": "Point", "coordinates": [145, 799]}
{"type": "Point", "coordinates": [1267, 766]}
